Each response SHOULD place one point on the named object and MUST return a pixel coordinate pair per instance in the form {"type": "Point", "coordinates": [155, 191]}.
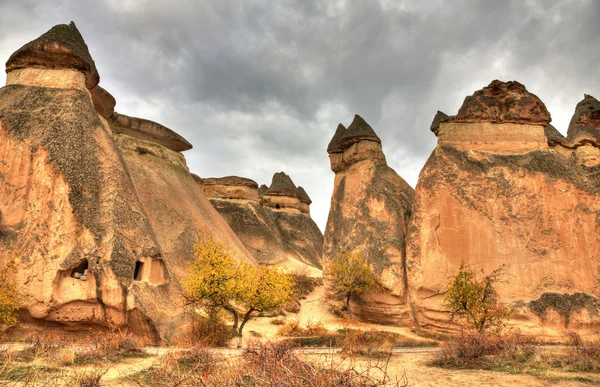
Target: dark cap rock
{"type": "Point", "coordinates": [334, 145]}
{"type": "Point", "coordinates": [282, 185]}
{"type": "Point", "coordinates": [503, 102]}
{"type": "Point", "coordinates": [586, 120]}
{"type": "Point", "coordinates": [230, 181]}
{"type": "Point", "coordinates": [437, 120]}
{"type": "Point", "coordinates": [304, 198]}
{"type": "Point", "coordinates": [358, 131]}
{"type": "Point", "coordinates": [150, 131]}
{"type": "Point", "coordinates": [61, 47]}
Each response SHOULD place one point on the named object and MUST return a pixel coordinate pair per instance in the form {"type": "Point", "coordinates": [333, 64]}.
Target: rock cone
{"type": "Point", "coordinates": [370, 209]}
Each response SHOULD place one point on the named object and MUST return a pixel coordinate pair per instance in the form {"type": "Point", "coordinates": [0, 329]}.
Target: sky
{"type": "Point", "coordinates": [259, 87]}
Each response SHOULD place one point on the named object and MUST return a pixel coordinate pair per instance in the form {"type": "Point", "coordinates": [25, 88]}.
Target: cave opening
{"type": "Point", "coordinates": [277, 206]}
{"type": "Point", "coordinates": [137, 273]}
{"type": "Point", "coordinates": [80, 270]}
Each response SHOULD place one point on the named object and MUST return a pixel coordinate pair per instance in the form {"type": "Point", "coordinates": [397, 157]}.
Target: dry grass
{"type": "Point", "coordinates": [271, 364]}
{"type": "Point", "coordinates": [353, 342]}
{"type": "Point", "coordinates": [579, 360]}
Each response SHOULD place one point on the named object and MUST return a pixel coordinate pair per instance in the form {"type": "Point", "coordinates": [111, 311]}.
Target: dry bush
{"type": "Point", "coordinates": [195, 367]}
{"type": "Point", "coordinates": [276, 364]}
{"type": "Point", "coordinates": [211, 330]}
{"type": "Point", "coordinates": [87, 377]}
{"type": "Point", "coordinates": [271, 364]}
{"type": "Point", "coordinates": [278, 321]}
{"type": "Point", "coordinates": [583, 354]}
{"type": "Point", "coordinates": [110, 346]}
{"type": "Point", "coordinates": [291, 328]}
{"type": "Point", "coordinates": [43, 345]}
{"type": "Point", "coordinates": [315, 328]}
{"type": "Point", "coordinates": [470, 349]}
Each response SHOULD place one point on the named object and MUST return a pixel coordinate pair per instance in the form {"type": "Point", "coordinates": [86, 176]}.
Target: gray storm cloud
{"type": "Point", "coordinates": [260, 86]}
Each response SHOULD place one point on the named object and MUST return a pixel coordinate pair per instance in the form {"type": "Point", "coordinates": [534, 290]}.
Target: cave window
{"type": "Point", "coordinates": [137, 273]}
{"type": "Point", "coordinates": [277, 206]}
{"type": "Point", "coordinates": [80, 270]}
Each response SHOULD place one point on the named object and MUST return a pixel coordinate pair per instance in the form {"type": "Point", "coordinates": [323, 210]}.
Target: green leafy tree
{"type": "Point", "coordinates": [474, 302]}
{"type": "Point", "coordinates": [9, 304]}
{"type": "Point", "coordinates": [350, 276]}
{"type": "Point", "coordinates": [217, 280]}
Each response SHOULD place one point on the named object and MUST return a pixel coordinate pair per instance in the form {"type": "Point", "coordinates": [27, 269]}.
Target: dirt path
{"type": "Point", "coordinates": [119, 373]}
{"type": "Point", "coordinates": [413, 367]}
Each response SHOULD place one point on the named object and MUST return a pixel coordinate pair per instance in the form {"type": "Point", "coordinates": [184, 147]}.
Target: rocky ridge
{"type": "Point", "coordinates": [273, 222]}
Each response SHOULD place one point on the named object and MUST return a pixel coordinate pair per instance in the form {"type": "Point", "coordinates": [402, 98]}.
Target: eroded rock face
{"type": "Point", "coordinates": [274, 226]}
{"type": "Point", "coordinates": [500, 197]}
{"type": "Point", "coordinates": [370, 209]}
{"type": "Point", "coordinates": [102, 224]}
{"type": "Point", "coordinates": [503, 102]}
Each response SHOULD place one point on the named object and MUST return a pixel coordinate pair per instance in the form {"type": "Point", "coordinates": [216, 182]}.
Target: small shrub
{"type": "Point", "coordinates": [474, 302]}
{"type": "Point", "coordinates": [350, 276]}
{"type": "Point", "coordinates": [584, 354]}
{"type": "Point", "coordinates": [87, 378]}
{"type": "Point", "coordinates": [211, 330]}
{"type": "Point", "coordinates": [110, 346]}
{"type": "Point", "coordinates": [315, 328]}
{"type": "Point", "coordinates": [471, 349]}
{"type": "Point", "coordinates": [291, 328]}
{"type": "Point", "coordinates": [278, 321]}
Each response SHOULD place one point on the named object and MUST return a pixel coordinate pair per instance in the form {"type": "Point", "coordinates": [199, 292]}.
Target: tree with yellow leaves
{"type": "Point", "coordinates": [350, 276]}
{"type": "Point", "coordinates": [217, 280]}
{"type": "Point", "coordinates": [8, 295]}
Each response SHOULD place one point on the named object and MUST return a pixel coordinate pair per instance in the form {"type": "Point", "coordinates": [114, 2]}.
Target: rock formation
{"type": "Point", "coordinates": [370, 209]}
{"type": "Point", "coordinates": [504, 187]}
{"type": "Point", "coordinates": [273, 222]}
{"type": "Point", "coordinates": [101, 215]}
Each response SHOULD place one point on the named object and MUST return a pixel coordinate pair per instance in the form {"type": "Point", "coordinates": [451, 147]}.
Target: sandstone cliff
{"type": "Point", "coordinates": [274, 222]}
{"type": "Point", "coordinates": [503, 187]}
{"type": "Point", "coordinates": [370, 209]}
{"type": "Point", "coordinates": [102, 221]}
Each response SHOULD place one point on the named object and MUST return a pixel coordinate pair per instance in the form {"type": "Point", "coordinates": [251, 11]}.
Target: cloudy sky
{"type": "Point", "coordinates": [259, 86]}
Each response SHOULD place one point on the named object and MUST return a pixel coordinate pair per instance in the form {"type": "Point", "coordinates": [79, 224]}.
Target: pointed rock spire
{"type": "Point", "coordinates": [357, 131]}
{"type": "Point", "coordinates": [586, 120]}
{"type": "Point", "coordinates": [334, 144]}
{"type": "Point", "coordinates": [435, 124]}
{"type": "Point", "coordinates": [61, 47]}
{"type": "Point", "coordinates": [282, 185]}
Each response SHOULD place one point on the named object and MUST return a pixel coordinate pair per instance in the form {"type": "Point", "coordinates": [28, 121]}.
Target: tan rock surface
{"type": "Point", "coordinates": [533, 210]}
{"type": "Point", "coordinates": [370, 208]}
